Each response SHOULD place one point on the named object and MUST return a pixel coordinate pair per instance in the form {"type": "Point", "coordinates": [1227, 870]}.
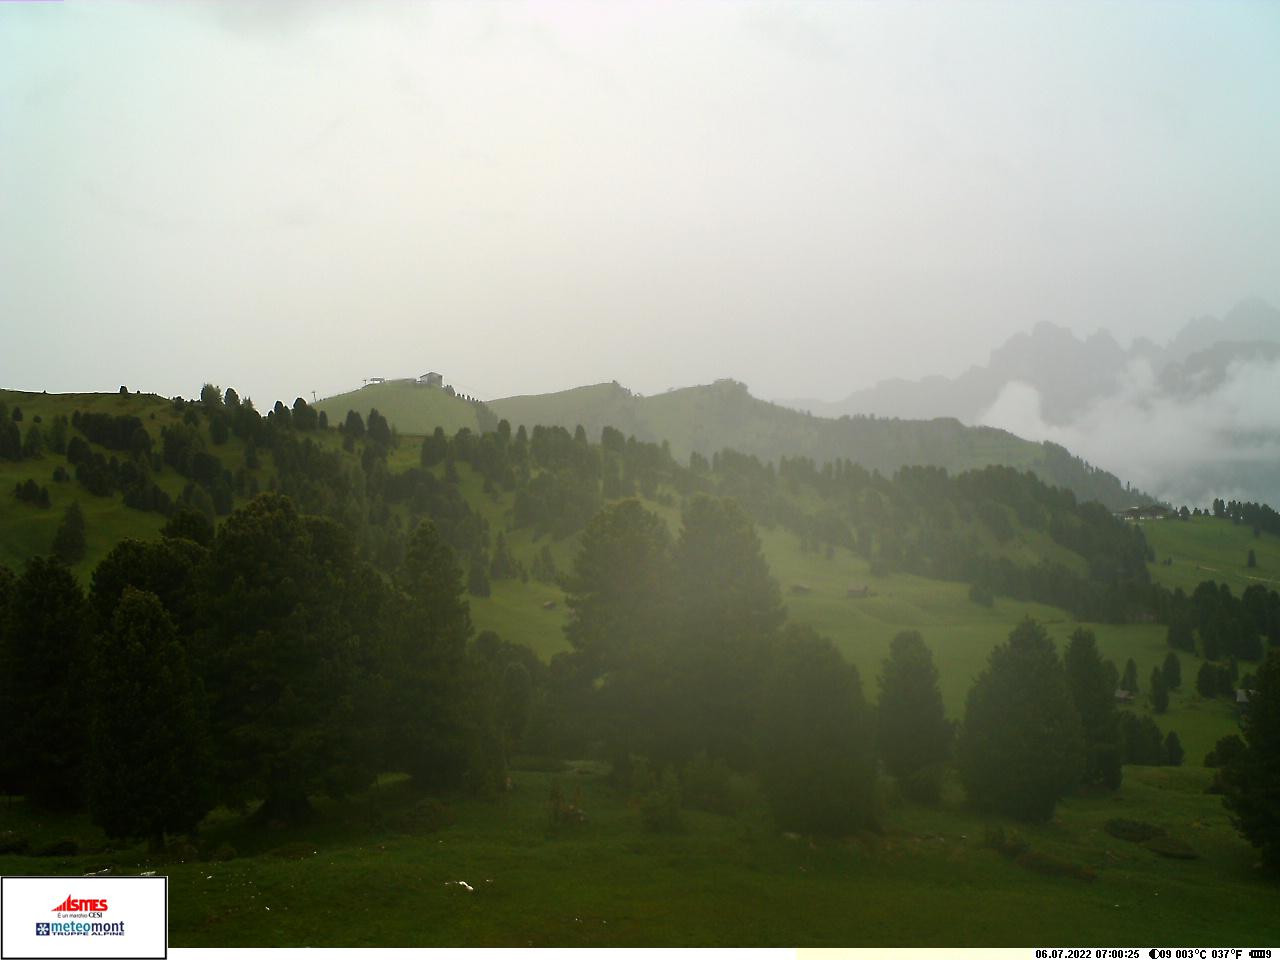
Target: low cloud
{"type": "Point", "coordinates": [1224, 442]}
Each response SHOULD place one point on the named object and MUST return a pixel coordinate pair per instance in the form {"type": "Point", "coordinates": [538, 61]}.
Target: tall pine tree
{"type": "Point", "coordinates": [913, 732]}
{"type": "Point", "coordinates": [1022, 746]}
{"type": "Point", "coordinates": [1093, 692]}
{"type": "Point", "coordinates": [148, 774]}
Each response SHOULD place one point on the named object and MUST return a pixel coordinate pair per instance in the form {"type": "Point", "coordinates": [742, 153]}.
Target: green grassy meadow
{"type": "Point", "coordinates": [411, 408]}
{"type": "Point", "coordinates": [27, 529]}
{"type": "Point", "coordinates": [374, 871]}
{"type": "Point", "coordinates": [1206, 548]}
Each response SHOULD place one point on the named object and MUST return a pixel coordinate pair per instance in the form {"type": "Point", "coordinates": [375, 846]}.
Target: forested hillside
{"type": "Point", "coordinates": [307, 617]}
{"type": "Point", "coordinates": [127, 460]}
{"type": "Point", "coordinates": [706, 419]}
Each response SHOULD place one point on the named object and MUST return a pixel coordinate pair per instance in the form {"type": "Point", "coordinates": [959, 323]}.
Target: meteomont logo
{"type": "Point", "coordinates": [93, 916]}
{"type": "Point", "coordinates": [73, 909]}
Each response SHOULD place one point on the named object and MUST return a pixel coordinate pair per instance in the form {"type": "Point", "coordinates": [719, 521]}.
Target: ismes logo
{"type": "Point", "coordinates": [71, 905]}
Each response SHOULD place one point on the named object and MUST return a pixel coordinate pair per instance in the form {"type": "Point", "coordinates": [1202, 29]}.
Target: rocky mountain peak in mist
{"type": "Point", "coordinates": [1188, 420]}
{"type": "Point", "coordinates": [1064, 368]}
{"type": "Point", "coordinates": [1068, 372]}
{"type": "Point", "coordinates": [1250, 321]}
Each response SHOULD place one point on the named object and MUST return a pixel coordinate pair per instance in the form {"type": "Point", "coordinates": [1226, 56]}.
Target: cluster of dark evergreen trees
{"type": "Point", "coordinates": [680, 650]}
{"type": "Point", "coordinates": [1225, 626]}
{"type": "Point", "coordinates": [1261, 517]}
{"type": "Point", "coordinates": [1224, 630]}
{"type": "Point", "coordinates": [1250, 774]}
{"type": "Point", "coordinates": [31, 443]}
{"type": "Point", "coordinates": [266, 663]}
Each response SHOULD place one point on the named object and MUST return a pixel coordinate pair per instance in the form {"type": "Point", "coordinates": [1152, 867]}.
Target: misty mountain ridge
{"type": "Point", "coordinates": [1189, 421]}
{"type": "Point", "coordinates": [710, 418]}
{"type": "Point", "coordinates": [1068, 371]}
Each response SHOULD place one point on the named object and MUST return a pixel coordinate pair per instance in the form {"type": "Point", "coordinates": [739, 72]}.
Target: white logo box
{"type": "Point", "coordinates": [133, 921]}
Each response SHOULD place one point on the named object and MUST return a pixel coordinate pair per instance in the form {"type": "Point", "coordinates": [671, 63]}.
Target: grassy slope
{"type": "Point", "coordinates": [409, 408]}
{"type": "Point", "coordinates": [1204, 548]}
{"type": "Point", "coordinates": [28, 529]}
{"type": "Point", "coordinates": [366, 873]}
{"type": "Point", "coordinates": [595, 406]}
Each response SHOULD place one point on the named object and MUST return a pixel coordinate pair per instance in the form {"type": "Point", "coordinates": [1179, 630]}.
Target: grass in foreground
{"type": "Point", "coordinates": [373, 871]}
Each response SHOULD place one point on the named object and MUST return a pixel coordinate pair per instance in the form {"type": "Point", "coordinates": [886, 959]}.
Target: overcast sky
{"type": "Point", "coordinates": [290, 196]}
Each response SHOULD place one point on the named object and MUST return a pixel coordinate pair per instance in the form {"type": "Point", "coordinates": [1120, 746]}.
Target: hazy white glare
{"type": "Point", "coordinates": [806, 197]}
{"type": "Point", "coordinates": [1181, 450]}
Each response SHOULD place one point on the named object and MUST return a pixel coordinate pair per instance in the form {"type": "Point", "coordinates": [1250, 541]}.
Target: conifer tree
{"type": "Point", "coordinates": [728, 610]}
{"type": "Point", "coordinates": [1173, 750]}
{"type": "Point", "coordinates": [1207, 680]}
{"type": "Point", "coordinates": [1022, 746]}
{"type": "Point", "coordinates": [1130, 679]}
{"type": "Point", "coordinates": [1093, 692]}
{"type": "Point", "coordinates": [912, 728]}
{"type": "Point", "coordinates": [289, 622]}
{"type": "Point", "coordinates": [42, 682]}
{"type": "Point", "coordinates": [817, 754]}
{"type": "Point", "coordinates": [426, 701]}
{"type": "Point", "coordinates": [1250, 777]}
{"type": "Point", "coordinates": [148, 769]}
{"type": "Point", "coordinates": [1159, 693]}
{"type": "Point", "coordinates": [69, 540]}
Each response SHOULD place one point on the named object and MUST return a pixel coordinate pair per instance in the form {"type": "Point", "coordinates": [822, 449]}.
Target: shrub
{"type": "Point", "coordinates": [1016, 848]}
{"type": "Point", "coordinates": [223, 852]}
{"type": "Point", "coordinates": [982, 595]}
{"type": "Point", "coordinates": [711, 786]}
{"type": "Point", "coordinates": [58, 848]}
{"type": "Point", "coordinates": [298, 850]}
{"type": "Point", "coordinates": [11, 842]}
{"type": "Point", "coordinates": [428, 815]}
{"type": "Point", "coordinates": [1171, 847]}
{"type": "Point", "coordinates": [925, 784]}
{"type": "Point", "coordinates": [1011, 844]}
{"type": "Point", "coordinates": [660, 807]}
{"type": "Point", "coordinates": [562, 812]}
{"type": "Point", "coordinates": [1134, 831]}
{"type": "Point", "coordinates": [1051, 866]}
{"type": "Point", "coordinates": [1105, 762]}
{"type": "Point", "coordinates": [183, 851]}
{"type": "Point", "coordinates": [538, 763]}
{"type": "Point", "coordinates": [1224, 751]}
{"type": "Point", "coordinates": [1141, 740]}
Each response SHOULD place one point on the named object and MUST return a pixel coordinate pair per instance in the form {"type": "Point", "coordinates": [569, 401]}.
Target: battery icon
{"type": "Point", "coordinates": [1260, 954]}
